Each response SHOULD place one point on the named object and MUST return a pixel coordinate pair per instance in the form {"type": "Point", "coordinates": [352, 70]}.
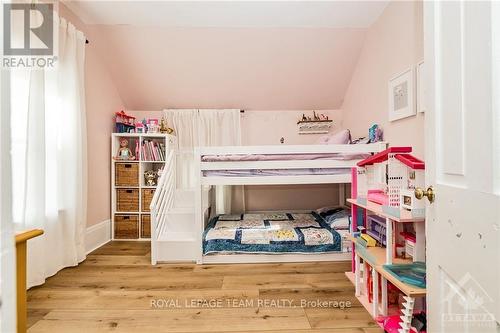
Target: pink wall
{"type": "Point", "coordinates": [248, 68]}
{"type": "Point", "coordinates": [102, 99]}
{"type": "Point", "coordinates": [393, 44]}
{"type": "Point", "coordinates": [266, 127]}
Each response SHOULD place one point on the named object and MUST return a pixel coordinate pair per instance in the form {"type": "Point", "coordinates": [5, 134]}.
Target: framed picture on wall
{"type": "Point", "coordinates": [401, 96]}
{"type": "Point", "coordinates": [421, 87]}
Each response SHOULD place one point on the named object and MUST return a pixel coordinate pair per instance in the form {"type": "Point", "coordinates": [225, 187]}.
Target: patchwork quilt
{"type": "Point", "coordinates": [270, 233]}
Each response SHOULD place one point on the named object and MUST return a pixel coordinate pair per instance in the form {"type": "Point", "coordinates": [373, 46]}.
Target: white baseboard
{"type": "Point", "coordinates": [97, 235]}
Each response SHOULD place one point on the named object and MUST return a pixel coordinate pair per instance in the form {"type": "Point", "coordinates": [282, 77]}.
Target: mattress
{"type": "Point", "coordinates": [273, 233]}
{"type": "Point", "coordinates": [276, 172]}
{"type": "Point", "coordinates": [283, 157]}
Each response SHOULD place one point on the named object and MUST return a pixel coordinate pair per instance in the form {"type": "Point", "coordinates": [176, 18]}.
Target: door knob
{"type": "Point", "coordinates": [420, 193]}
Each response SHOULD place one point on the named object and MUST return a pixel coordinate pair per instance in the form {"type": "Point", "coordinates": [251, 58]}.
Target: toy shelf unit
{"type": "Point", "coordinates": [388, 235]}
{"type": "Point", "coordinates": [137, 160]}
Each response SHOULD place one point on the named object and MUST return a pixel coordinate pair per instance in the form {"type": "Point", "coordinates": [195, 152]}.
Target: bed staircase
{"type": "Point", "coordinates": [174, 236]}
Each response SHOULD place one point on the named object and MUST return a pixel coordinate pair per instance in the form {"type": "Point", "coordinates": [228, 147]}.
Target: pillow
{"type": "Point", "coordinates": [339, 138]}
{"type": "Point", "coordinates": [323, 211]}
{"type": "Point", "coordinates": [360, 141]}
{"type": "Point", "coordinates": [339, 220]}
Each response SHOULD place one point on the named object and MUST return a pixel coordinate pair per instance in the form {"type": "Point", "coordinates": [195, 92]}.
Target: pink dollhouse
{"type": "Point", "coordinates": [411, 172]}
{"type": "Point", "coordinates": [390, 177]}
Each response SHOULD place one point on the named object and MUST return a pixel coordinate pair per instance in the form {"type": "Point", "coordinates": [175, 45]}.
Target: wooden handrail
{"type": "Point", "coordinates": [21, 251]}
{"type": "Point", "coordinates": [25, 235]}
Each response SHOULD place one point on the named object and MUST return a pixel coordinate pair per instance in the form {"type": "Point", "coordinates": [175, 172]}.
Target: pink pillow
{"type": "Point", "coordinates": [339, 138]}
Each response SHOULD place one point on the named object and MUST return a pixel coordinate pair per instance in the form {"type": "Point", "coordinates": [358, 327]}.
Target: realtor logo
{"type": "Point", "coordinates": [466, 304]}
{"type": "Point", "coordinates": [28, 29]}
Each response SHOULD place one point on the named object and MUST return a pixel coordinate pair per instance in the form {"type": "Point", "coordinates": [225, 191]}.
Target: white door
{"type": "Point", "coordinates": [462, 59]}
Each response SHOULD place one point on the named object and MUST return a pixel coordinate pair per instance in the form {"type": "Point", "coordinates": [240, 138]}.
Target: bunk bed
{"type": "Point", "coordinates": [272, 236]}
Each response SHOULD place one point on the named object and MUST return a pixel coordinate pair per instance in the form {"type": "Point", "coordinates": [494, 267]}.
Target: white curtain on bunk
{"type": "Point", "coordinates": [49, 157]}
{"type": "Point", "coordinates": [203, 128]}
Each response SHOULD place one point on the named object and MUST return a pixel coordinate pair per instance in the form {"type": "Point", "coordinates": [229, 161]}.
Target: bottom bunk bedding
{"type": "Point", "coordinates": [273, 233]}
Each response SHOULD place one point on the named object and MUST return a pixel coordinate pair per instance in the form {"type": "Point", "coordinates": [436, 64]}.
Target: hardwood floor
{"type": "Point", "coordinates": [117, 290]}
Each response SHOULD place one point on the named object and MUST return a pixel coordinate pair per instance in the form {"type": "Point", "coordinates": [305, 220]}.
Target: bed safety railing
{"type": "Point", "coordinates": [162, 202]}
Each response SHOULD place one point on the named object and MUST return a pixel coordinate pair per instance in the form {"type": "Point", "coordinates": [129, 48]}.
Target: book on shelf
{"type": "Point", "coordinates": [152, 151]}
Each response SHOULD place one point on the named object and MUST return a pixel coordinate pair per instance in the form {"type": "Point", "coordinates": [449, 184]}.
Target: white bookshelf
{"type": "Point", "coordinates": [143, 165]}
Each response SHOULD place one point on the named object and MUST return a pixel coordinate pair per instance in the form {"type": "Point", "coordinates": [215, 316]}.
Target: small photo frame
{"type": "Point", "coordinates": [421, 92]}
{"type": "Point", "coordinates": [401, 96]}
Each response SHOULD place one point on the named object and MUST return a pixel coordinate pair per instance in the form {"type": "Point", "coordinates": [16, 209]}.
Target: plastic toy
{"type": "Point", "coordinates": [124, 123]}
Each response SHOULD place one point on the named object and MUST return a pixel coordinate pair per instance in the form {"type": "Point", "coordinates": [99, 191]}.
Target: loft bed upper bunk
{"type": "Point", "coordinates": [282, 164]}
{"type": "Point", "coordinates": [252, 236]}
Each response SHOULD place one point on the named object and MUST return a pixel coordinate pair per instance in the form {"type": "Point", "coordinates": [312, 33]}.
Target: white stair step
{"type": "Point", "coordinates": [181, 211]}
{"type": "Point", "coordinates": [177, 237]}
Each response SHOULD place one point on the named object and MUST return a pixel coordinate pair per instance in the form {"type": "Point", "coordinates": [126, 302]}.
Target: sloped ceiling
{"type": "Point", "coordinates": [250, 55]}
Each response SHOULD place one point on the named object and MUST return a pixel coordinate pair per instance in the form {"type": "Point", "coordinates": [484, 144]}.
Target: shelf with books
{"type": "Point", "coordinates": [152, 150]}
{"type": "Point", "coordinates": [134, 174]}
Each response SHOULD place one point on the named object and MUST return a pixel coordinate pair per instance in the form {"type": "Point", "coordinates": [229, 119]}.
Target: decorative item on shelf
{"type": "Point", "coordinates": [164, 128]}
{"type": "Point", "coordinates": [317, 124]}
{"type": "Point", "coordinates": [124, 152]}
{"type": "Point", "coordinates": [153, 126]}
{"type": "Point", "coordinates": [375, 133]}
{"type": "Point", "coordinates": [124, 123]}
{"type": "Point", "coordinates": [140, 128]}
{"type": "Point", "coordinates": [282, 140]}
{"type": "Point", "coordinates": [150, 176]}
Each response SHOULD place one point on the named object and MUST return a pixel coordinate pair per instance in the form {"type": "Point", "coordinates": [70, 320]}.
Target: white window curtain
{"type": "Point", "coordinates": [49, 157]}
{"type": "Point", "coordinates": [7, 249]}
{"type": "Point", "coordinates": [203, 128]}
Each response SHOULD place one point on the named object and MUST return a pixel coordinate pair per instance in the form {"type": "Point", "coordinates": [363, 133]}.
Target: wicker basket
{"type": "Point", "coordinates": [127, 174]}
{"type": "Point", "coordinates": [145, 226]}
{"type": "Point", "coordinates": [147, 196]}
{"type": "Point", "coordinates": [127, 200]}
{"type": "Point", "coordinates": [126, 226]}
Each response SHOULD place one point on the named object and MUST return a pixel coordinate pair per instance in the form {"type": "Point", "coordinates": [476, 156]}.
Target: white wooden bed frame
{"type": "Point", "coordinates": [341, 179]}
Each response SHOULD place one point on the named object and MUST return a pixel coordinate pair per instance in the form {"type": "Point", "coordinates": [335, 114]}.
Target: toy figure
{"type": "Point", "coordinates": [124, 152]}
{"type": "Point", "coordinates": [164, 128]}
{"type": "Point", "coordinates": [150, 177]}
{"type": "Point", "coordinates": [375, 133]}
